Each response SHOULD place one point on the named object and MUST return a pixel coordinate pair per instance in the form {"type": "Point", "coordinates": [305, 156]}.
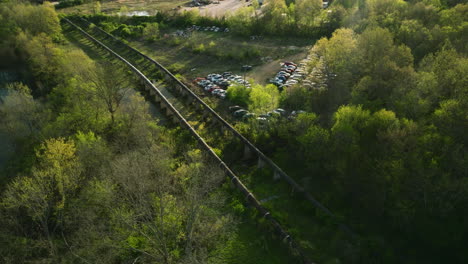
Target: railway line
{"type": "Point", "coordinates": [284, 209]}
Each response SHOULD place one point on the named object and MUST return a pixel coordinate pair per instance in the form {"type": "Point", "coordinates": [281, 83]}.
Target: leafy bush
{"type": "Point", "coordinates": [199, 48]}
{"type": "Point", "coordinates": [239, 94]}
{"type": "Point", "coordinates": [69, 3]}
{"type": "Point", "coordinates": [151, 31]}
{"type": "Point", "coordinates": [176, 67]}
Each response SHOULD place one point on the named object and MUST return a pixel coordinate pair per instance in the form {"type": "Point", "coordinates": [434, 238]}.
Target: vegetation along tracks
{"type": "Point", "coordinates": [180, 107]}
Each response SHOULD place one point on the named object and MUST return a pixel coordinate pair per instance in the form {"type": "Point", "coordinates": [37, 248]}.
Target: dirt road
{"type": "Point", "coordinates": [219, 10]}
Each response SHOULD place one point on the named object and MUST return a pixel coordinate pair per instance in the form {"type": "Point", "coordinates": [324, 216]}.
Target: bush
{"type": "Point", "coordinates": [151, 31]}
{"type": "Point", "coordinates": [212, 44]}
{"type": "Point", "coordinates": [239, 94]}
{"type": "Point", "coordinates": [199, 49]}
{"type": "Point", "coordinates": [173, 41]}
{"type": "Point", "coordinates": [176, 67]}
{"type": "Point", "coordinates": [69, 3]}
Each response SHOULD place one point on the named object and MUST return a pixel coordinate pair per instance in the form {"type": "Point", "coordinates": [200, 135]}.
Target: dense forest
{"type": "Point", "coordinates": [95, 177]}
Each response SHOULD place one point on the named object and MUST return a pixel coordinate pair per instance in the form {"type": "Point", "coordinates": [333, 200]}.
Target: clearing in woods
{"type": "Point", "coordinates": [150, 7]}
{"type": "Point", "coordinates": [220, 9]}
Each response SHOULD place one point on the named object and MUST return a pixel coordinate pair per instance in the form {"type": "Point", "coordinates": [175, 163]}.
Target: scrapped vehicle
{"type": "Point", "coordinates": [248, 116]}
{"type": "Point", "coordinates": [246, 67]}
{"type": "Point", "coordinates": [198, 79]}
{"type": "Point", "coordinates": [234, 108]}
{"type": "Point", "coordinates": [222, 94]}
{"type": "Point", "coordinates": [224, 83]}
{"type": "Point", "coordinates": [211, 87]}
{"type": "Point", "coordinates": [273, 114]}
{"type": "Point", "coordinates": [217, 91]}
{"type": "Point", "coordinates": [240, 113]}
{"type": "Point", "coordinates": [295, 113]}
{"type": "Point", "coordinates": [280, 111]}
{"type": "Point", "coordinates": [204, 83]}
{"type": "Point", "coordinates": [289, 63]}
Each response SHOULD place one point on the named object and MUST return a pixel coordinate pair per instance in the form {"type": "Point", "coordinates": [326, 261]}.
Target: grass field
{"type": "Point", "coordinates": [113, 7]}
{"type": "Point", "coordinates": [224, 52]}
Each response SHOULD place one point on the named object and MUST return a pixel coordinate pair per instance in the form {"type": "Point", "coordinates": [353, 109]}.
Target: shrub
{"type": "Point", "coordinates": [69, 3]}
{"type": "Point", "coordinates": [151, 31]}
{"type": "Point", "coordinates": [239, 94]}
{"type": "Point", "coordinates": [199, 49]}
{"type": "Point", "coordinates": [176, 67]}
{"type": "Point", "coordinates": [212, 44]}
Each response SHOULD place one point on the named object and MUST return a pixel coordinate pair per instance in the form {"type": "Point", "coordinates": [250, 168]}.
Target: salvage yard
{"type": "Point", "coordinates": [219, 8]}
{"type": "Point", "coordinates": [148, 7]}
{"type": "Point", "coordinates": [203, 52]}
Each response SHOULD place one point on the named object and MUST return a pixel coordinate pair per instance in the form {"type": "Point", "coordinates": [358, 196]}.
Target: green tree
{"type": "Point", "coordinates": [264, 98]}
{"type": "Point", "coordinates": [97, 8]}
{"type": "Point", "coordinates": [306, 12]}
{"type": "Point", "coordinates": [452, 119]}
{"type": "Point", "coordinates": [22, 116]}
{"type": "Point", "coordinates": [44, 194]}
{"type": "Point", "coordinates": [45, 59]}
{"type": "Point", "coordinates": [239, 94]}
{"type": "Point", "coordinates": [111, 85]}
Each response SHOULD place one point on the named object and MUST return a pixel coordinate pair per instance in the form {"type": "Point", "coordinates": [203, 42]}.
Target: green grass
{"type": "Point", "coordinates": [113, 7]}
{"type": "Point", "coordinates": [222, 52]}
{"type": "Point", "coordinates": [249, 246]}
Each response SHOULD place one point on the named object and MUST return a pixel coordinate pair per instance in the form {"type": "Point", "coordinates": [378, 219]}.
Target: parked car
{"type": "Point", "coordinates": [211, 87]}
{"type": "Point", "coordinates": [273, 113]}
{"type": "Point", "coordinates": [222, 94]}
{"type": "Point", "coordinates": [225, 84]}
{"type": "Point", "coordinates": [198, 79]}
{"type": "Point", "coordinates": [246, 67]}
{"type": "Point", "coordinates": [280, 111]}
{"type": "Point", "coordinates": [240, 113]}
{"type": "Point", "coordinates": [217, 91]}
{"type": "Point", "coordinates": [289, 63]}
{"type": "Point", "coordinates": [296, 113]}
{"type": "Point", "coordinates": [248, 116]}
{"type": "Point", "coordinates": [234, 108]}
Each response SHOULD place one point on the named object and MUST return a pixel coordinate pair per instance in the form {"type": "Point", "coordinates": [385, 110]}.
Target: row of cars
{"type": "Point", "coordinates": [217, 84]}
{"type": "Point", "coordinates": [290, 74]}
{"type": "Point", "coordinates": [188, 31]}
{"type": "Point", "coordinates": [212, 28]}
{"type": "Point", "coordinates": [243, 114]}
{"type": "Point", "coordinates": [317, 78]}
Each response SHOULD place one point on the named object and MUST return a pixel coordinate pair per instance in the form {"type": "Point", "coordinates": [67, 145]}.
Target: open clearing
{"type": "Point", "coordinates": [224, 52]}
{"type": "Point", "coordinates": [113, 7]}
{"type": "Point", "coordinates": [151, 7]}
{"type": "Point", "coordinates": [219, 10]}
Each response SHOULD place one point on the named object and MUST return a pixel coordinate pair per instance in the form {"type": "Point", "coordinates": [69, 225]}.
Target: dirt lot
{"type": "Point", "coordinates": [266, 71]}
{"type": "Point", "coordinates": [221, 9]}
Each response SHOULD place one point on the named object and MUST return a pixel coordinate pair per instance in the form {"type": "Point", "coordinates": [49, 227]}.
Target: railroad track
{"type": "Point", "coordinates": [185, 107]}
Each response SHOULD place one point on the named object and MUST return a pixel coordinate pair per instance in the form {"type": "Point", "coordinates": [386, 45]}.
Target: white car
{"type": "Point", "coordinates": [222, 94]}
{"type": "Point", "coordinates": [217, 91]}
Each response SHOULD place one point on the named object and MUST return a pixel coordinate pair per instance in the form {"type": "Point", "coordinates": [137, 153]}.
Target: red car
{"type": "Point", "coordinates": [290, 63]}
{"type": "Point", "coordinates": [198, 79]}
